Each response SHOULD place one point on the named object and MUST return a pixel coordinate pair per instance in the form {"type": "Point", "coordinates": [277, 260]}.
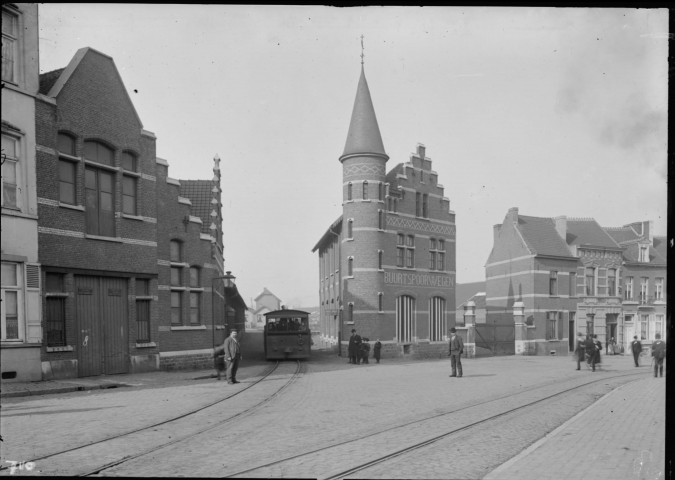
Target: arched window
{"type": "Point", "coordinates": [380, 256]}
{"type": "Point", "coordinates": [380, 219]}
{"type": "Point", "coordinates": [365, 190]}
{"type": "Point", "coordinates": [350, 228]}
{"type": "Point", "coordinates": [437, 322]}
{"type": "Point", "coordinates": [380, 302]}
{"type": "Point", "coordinates": [97, 152]}
{"type": "Point", "coordinates": [350, 267]}
{"type": "Point", "coordinates": [405, 318]}
{"type": "Point", "coordinates": [349, 191]}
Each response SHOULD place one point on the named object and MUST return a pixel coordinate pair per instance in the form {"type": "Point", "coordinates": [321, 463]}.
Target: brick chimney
{"type": "Point", "coordinates": [513, 214]}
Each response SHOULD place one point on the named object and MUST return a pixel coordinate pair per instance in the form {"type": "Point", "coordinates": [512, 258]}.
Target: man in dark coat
{"type": "Point", "coordinates": [636, 348]}
{"type": "Point", "coordinates": [365, 350]}
{"type": "Point", "coordinates": [659, 353]}
{"type": "Point", "coordinates": [354, 347]}
{"type": "Point", "coordinates": [231, 350]}
{"type": "Point", "coordinates": [579, 351]}
{"type": "Point", "coordinates": [377, 348]}
{"type": "Point", "coordinates": [589, 348]}
{"type": "Point", "coordinates": [456, 348]}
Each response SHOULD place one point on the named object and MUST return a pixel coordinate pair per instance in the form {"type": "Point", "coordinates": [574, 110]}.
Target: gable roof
{"type": "Point", "coordinates": [200, 195]}
{"type": "Point", "coordinates": [334, 229]}
{"type": "Point", "coordinates": [541, 236]}
{"type": "Point", "coordinates": [51, 83]}
{"type": "Point", "coordinates": [587, 232]}
{"type": "Point", "coordinates": [266, 292]}
{"type": "Point", "coordinates": [622, 234]}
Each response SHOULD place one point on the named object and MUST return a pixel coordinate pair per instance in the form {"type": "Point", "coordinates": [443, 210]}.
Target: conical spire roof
{"type": "Point", "coordinates": [364, 133]}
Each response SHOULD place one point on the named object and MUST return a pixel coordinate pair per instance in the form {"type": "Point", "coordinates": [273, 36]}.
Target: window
{"type": "Point", "coordinates": [552, 325]}
{"type": "Point", "coordinates": [365, 190]}
{"type": "Point", "coordinates": [644, 289]}
{"type": "Point", "coordinates": [99, 202]}
{"type": "Point", "coordinates": [176, 308]}
{"type": "Point", "coordinates": [129, 195]}
{"type": "Point", "coordinates": [350, 267]}
{"type": "Point", "coordinates": [553, 283]}
{"type": "Point", "coordinates": [380, 191]}
{"type": "Point", "coordinates": [573, 284]}
{"type": "Point", "coordinates": [590, 281]}
{"type": "Point", "coordinates": [658, 326]}
{"type": "Point", "coordinates": [380, 255]}
{"type": "Point", "coordinates": [67, 182]}
{"type": "Point", "coordinates": [658, 289]}
{"type": "Point", "coordinates": [405, 318]}
{"type": "Point", "coordinates": [176, 276]}
{"type": "Point", "coordinates": [194, 277]}
{"type": "Point", "coordinates": [611, 282]}
{"type": "Point", "coordinates": [55, 321]}
{"type": "Point", "coordinates": [432, 254]}
{"type": "Point", "coordinates": [143, 310]}
{"type": "Point", "coordinates": [350, 312]}
{"type": "Point", "coordinates": [400, 250]}
{"type": "Point", "coordinates": [350, 228]}
{"type": "Point", "coordinates": [644, 253]}
{"type": "Point", "coordinates": [380, 219]}
{"type": "Point", "coordinates": [425, 205]}
{"type": "Point", "coordinates": [440, 262]}
{"type": "Point", "coordinates": [644, 327]}
{"type": "Point", "coordinates": [349, 191]}
{"type": "Point", "coordinates": [437, 327]}
{"type": "Point", "coordinates": [175, 251]}
{"type": "Point", "coordinates": [11, 300]}
{"type": "Point", "coordinates": [129, 183]}
{"type": "Point", "coordinates": [418, 204]}
{"type": "Point", "coordinates": [410, 251]}
{"type": "Point", "coordinates": [10, 162]}
{"type": "Point", "coordinates": [380, 302]}
{"type": "Point", "coordinates": [65, 144]}
{"type": "Point", "coordinates": [628, 294]}
{"type": "Point", "coordinates": [10, 46]}
{"type": "Point", "coordinates": [99, 153]}
{"type": "Point", "coordinates": [195, 302]}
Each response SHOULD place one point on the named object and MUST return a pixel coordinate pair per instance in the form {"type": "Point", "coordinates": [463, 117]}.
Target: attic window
{"type": "Point", "coordinates": [644, 253]}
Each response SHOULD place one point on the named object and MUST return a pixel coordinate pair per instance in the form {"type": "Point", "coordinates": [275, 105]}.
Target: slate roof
{"type": "Point", "coordinates": [661, 247]}
{"type": "Point", "coordinates": [466, 291]}
{"type": "Point", "coordinates": [336, 227]}
{"type": "Point", "coordinates": [631, 253]}
{"type": "Point", "coordinates": [199, 193]}
{"type": "Point", "coordinates": [622, 234]}
{"type": "Point", "coordinates": [541, 237]}
{"type": "Point", "coordinates": [364, 132]}
{"type": "Point", "coordinates": [586, 231]}
{"type": "Point", "coordinates": [48, 79]}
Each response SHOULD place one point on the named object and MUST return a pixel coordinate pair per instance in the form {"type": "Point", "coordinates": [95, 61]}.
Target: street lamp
{"type": "Point", "coordinates": [228, 282]}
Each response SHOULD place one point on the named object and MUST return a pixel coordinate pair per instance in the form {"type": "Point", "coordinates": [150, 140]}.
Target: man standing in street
{"type": "Point", "coordinates": [659, 353]}
{"type": "Point", "coordinates": [579, 351]}
{"type": "Point", "coordinates": [636, 348]}
{"type": "Point", "coordinates": [232, 356]}
{"type": "Point", "coordinates": [456, 349]}
{"type": "Point", "coordinates": [589, 347]}
{"type": "Point", "coordinates": [354, 347]}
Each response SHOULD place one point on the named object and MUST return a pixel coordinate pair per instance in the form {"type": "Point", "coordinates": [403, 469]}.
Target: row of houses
{"type": "Point", "coordinates": [109, 265]}
{"type": "Point", "coordinates": [570, 275]}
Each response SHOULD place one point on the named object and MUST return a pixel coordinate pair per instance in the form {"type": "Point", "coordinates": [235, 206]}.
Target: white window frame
{"type": "Point", "coordinates": [658, 289]}
{"type": "Point", "coordinates": [16, 161]}
{"type": "Point", "coordinates": [628, 294]}
{"type": "Point", "coordinates": [11, 40]}
{"type": "Point", "coordinates": [644, 289]}
{"type": "Point", "coordinates": [20, 310]}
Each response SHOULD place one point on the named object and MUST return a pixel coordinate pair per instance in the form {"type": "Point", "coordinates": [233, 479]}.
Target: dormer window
{"type": "Point", "coordinates": [644, 253]}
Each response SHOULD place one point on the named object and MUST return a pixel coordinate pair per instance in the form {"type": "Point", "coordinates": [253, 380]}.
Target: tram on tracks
{"type": "Point", "coordinates": [286, 335]}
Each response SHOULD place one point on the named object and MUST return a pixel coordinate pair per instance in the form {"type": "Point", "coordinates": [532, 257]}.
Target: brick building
{"type": "Point", "coordinates": [569, 274]}
{"type": "Point", "coordinates": [387, 265]}
{"type": "Point", "coordinates": [128, 253]}
{"type": "Point", "coordinates": [20, 305]}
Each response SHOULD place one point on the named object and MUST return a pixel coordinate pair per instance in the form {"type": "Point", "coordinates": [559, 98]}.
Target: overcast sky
{"type": "Point", "coordinates": [556, 111]}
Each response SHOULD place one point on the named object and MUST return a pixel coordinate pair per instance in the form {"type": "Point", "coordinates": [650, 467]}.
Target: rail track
{"type": "Point", "coordinates": [299, 369]}
{"type": "Point", "coordinates": [487, 411]}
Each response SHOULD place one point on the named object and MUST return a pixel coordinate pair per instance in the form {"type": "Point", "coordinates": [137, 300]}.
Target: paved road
{"type": "Point", "coordinates": [334, 402]}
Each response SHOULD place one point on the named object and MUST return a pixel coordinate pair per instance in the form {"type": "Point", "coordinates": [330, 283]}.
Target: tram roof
{"type": "Point", "coordinates": [286, 313]}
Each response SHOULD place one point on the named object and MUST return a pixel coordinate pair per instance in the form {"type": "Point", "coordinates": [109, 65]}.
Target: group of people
{"type": "Point", "coordinates": [359, 349]}
{"type": "Point", "coordinates": [588, 349]}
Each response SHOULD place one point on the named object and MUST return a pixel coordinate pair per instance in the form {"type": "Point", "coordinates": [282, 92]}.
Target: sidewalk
{"type": "Point", "coordinates": [22, 389]}
{"type": "Point", "coordinates": [622, 432]}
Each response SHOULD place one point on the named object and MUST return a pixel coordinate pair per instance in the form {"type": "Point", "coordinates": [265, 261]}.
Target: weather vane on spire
{"type": "Point", "coordinates": [362, 55]}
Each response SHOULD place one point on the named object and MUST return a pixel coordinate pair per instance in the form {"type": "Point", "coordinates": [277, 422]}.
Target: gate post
{"type": "Point", "coordinates": [520, 329]}
{"type": "Point", "coordinates": [470, 324]}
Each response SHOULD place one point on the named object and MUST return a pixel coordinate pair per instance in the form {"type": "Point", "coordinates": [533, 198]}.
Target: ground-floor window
{"type": "Point", "coordinates": [405, 315]}
{"type": "Point", "coordinates": [12, 299]}
{"type": "Point", "coordinates": [55, 321]}
{"type": "Point", "coordinates": [553, 325]}
{"type": "Point", "coordinates": [437, 322]}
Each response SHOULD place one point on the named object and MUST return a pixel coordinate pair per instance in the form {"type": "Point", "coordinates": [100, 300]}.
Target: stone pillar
{"type": "Point", "coordinates": [470, 325]}
{"type": "Point", "coordinates": [522, 343]}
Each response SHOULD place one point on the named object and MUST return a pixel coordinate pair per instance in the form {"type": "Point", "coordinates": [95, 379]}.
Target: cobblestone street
{"type": "Point", "coordinates": [354, 409]}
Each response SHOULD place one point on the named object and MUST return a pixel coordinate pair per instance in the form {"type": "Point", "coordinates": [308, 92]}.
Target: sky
{"type": "Point", "coordinates": [556, 111]}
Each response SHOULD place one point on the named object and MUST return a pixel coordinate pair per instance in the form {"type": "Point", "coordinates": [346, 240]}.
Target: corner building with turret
{"type": "Point", "coordinates": [387, 264]}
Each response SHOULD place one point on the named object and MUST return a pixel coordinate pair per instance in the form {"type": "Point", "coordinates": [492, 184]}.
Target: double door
{"type": "Point", "coordinates": [102, 325]}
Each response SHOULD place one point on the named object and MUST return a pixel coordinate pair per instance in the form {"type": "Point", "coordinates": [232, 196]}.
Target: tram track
{"type": "Point", "coordinates": [560, 389]}
{"type": "Point", "coordinates": [78, 449]}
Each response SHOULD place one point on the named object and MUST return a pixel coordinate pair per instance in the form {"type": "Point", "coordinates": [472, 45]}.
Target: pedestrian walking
{"type": "Point", "coordinates": [455, 350]}
{"type": "Point", "coordinates": [579, 350]}
{"type": "Point", "coordinates": [589, 350]}
{"type": "Point", "coordinates": [377, 348]}
{"type": "Point", "coordinates": [365, 350]}
{"type": "Point", "coordinates": [354, 347]}
{"type": "Point", "coordinates": [598, 348]}
{"type": "Point", "coordinates": [232, 354]}
{"type": "Point", "coordinates": [659, 353]}
{"type": "Point", "coordinates": [636, 348]}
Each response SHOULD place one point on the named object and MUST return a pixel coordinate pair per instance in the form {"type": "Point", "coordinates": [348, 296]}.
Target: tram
{"type": "Point", "coordinates": [287, 335]}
